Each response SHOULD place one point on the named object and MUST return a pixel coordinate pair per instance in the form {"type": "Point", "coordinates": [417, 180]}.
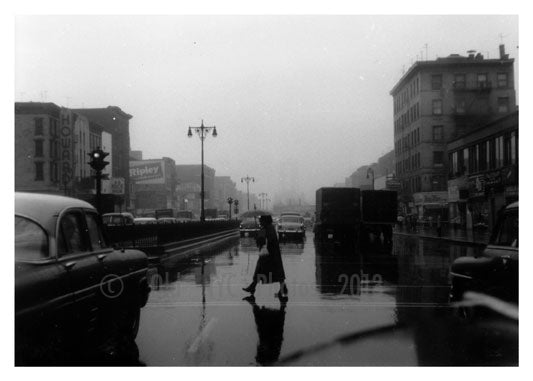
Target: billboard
{"type": "Point", "coordinates": [147, 172]}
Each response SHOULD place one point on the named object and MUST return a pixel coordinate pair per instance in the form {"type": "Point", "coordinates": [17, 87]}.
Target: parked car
{"type": "Point", "coordinates": [167, 220]}
{"type": "Point", "coordinates": [117, 219]}
{"type": "Point", "coordinates": [249, 227]}
{"type": "Point", "coordinates": [71, 286]}
{"type": "Point", "coordinates": [145, 221]}
{"type": "Point", "coordinates": [291, 226]}
{"type": "Point", "coordinates": [495, 272]}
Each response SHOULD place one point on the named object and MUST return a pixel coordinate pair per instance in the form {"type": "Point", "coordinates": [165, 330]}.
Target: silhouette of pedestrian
{"type": "Point", "coordinates": [269, 323]}
{"type": "Point", "coordinates": [439, 226]}
{"type": "Point", "coordinates": [269, 267]}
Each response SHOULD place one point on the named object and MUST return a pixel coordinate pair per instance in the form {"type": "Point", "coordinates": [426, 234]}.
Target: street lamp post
{"type": "Point", "coordinates": [262, 197]}
{"type": "Point", "coordinates": [248, 179]}
{"type": "Point", "coordinates": [230, 201]}
{"type": "Point", "coordinates": [202, 132]}
{"type": "Point", "coordinates": [370, 170]}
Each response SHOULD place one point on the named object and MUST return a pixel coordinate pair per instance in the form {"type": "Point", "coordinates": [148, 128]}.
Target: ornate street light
{"type": "Point", "coordinates": [230, 201]}
{"type": "Point", "coordinates": [202, 132]}
{"type": "Point", "coordinates": [248, 179]}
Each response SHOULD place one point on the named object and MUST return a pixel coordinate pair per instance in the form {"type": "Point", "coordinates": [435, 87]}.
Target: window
{"type": "Point", "coordinates": [438, 183]}
{"type": "Point", "coordinates": [437, 107]}
{"type": "Point", "coordinates": [71, 234]}
{"type": "Point", "coordinates": [38, 148]}
{"type": "Point", "coordinates": [514, 146]}
{"type": "Point", "coordinates": [95, 232]}
{"type": "Point", "coordinates": [438, 158]}
{"type": "Point", "coordinates": [31, 242]}
{"type": "Point", "coordinates": [503, 105]}
{"type": "Point", "coordinates": [466, 161]}
{"type": "Point", "coordinates": [459, 81]}
{"type": "Point", "coordinates": [39, 171]}
{"type": "Point", "coordinates": [39, 129]}
{"type": "Point", "coordinates": [499, 152]}
{"type": "Point", "coordinates": [438, 133]}
{"type": "Point", "coordinates": [482, 151]}
{"type": "Point", "coordinates": [436, 81]}
{"type": "Point", "coordinates": [492, 153]}
{"type": "Point", "coordinates": [502, 80]}
{"type": "Point", "coordinates": [482, 80]}
{"type": "Point", "coordinates": [455, 164]}
{"type": "Point", "coordinates": [472, 157]}
{"type": "Point", "coordinates": [460, 107]}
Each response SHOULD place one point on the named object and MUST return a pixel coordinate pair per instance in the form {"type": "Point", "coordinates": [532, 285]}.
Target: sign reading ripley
{"type": "Point", "coordinates": [147, 171]}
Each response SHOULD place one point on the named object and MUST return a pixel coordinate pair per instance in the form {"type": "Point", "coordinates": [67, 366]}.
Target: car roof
{"type": "Point", "coordinates": [117, 214]}
{"type": "Point", "coordinates": [45, 208]}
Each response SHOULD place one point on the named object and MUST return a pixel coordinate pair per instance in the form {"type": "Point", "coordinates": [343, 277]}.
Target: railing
{"type": "Point", "coordinates": [142, 236]}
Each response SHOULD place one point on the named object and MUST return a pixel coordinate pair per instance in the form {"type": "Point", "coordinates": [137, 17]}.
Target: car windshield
{"type": "Point", "coordinates": [291, 220]}
{"type": "Point", "coordinates": [31, 242]}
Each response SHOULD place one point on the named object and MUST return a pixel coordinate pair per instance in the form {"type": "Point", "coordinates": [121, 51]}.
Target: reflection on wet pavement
{"type": "Point", "coordinates": [196, 314]}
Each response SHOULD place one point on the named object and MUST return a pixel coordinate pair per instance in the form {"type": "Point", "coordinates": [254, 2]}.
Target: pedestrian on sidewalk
{"type": "Point", "coordinates": [439, 226]}
{"type": "Point", "coordinates": [269, 267]}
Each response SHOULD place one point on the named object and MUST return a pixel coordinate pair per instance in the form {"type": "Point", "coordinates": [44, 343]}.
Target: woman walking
{"type": "Point", "coordinates": [269, 267]}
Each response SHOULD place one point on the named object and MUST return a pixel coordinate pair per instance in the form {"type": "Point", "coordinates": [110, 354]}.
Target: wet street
{"type": "Point", "coordinates": [345, 307]}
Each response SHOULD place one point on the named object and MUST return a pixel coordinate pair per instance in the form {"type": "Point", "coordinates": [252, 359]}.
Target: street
{"type": "Point", "coordinates": [196, 314]}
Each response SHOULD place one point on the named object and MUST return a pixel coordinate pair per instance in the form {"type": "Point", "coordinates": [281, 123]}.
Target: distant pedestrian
{"type": "Point", "coordinates": [269, 267]}
{"type": "Point", "coordinates": [439, 226]}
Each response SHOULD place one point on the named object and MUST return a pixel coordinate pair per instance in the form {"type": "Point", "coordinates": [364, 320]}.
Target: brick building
{"type": "Point", "coordinates": [115, 122]}
{"type": "Point", "coordinates": [436, 102]}
{"type": "Point", "coordinates": [483, 172]}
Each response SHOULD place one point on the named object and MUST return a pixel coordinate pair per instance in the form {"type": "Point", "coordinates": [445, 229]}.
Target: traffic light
{"type": "Point", "coordinates": [97, 159]}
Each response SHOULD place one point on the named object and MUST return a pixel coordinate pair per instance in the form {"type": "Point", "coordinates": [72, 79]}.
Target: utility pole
{"type": "Point", "coordinates": [248, 179]}
{"type": "Point", "coordinates": [202, 132]}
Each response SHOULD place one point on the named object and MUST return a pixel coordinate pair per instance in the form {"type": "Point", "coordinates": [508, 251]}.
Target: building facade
{"type": "Point", "coordinates": [483, 172]}
{"type": "Point", "coordinates": [153, 184]}
{"type": "Point", "coordinates": [436, 102]}
{"type": "Point", "coordinates": [38, 147]}
{"type": "Point", "coordinates": [115, 122]}
{"type": "Point", "coordinates": [188, 188]}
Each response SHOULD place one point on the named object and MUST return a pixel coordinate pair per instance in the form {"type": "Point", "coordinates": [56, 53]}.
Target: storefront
{"type": "Point", "coordinates": [430, 205]}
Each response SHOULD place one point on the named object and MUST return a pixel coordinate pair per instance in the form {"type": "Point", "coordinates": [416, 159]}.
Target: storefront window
{"type": "Point", "coordinates": [514, 146]}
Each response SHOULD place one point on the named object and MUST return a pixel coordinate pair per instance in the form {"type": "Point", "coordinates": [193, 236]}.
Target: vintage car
{"type": "Point", "coordinates": [71, 287]}
{"type": "Point", "coordinates": [249, 226]}
{"type": "Point", "coordinates": [145, 221]}
{"type": "Point", "coordinates": [495, 272]}
{"type": "Point", "coordinates": [291, 225]}
{"type": "Point", "coordinates": [117, 219]}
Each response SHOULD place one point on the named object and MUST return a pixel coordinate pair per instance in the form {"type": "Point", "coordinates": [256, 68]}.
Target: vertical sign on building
{"type": "Point", "coordinates": [67, 142]}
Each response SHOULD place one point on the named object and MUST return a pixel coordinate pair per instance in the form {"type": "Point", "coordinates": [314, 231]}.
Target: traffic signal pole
{"type": "Point", "coordinates": [98, 163]}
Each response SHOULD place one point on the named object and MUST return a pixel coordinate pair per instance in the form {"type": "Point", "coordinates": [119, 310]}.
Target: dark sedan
{"type": "Point", "coordinates": [496, 271]}
{"type": "Point", "coordinates": [249, 227]}
{"type": "Point", "coordinates": [71, 287]}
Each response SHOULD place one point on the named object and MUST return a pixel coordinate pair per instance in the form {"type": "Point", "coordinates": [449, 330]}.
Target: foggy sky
{"type": "Point", "coordinates": [306, 93]}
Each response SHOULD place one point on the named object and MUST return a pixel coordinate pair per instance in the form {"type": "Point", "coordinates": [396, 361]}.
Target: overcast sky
{"type": "Point", "coordinates": [306, 93]}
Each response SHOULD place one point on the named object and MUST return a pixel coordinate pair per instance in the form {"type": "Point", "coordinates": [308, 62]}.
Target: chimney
{"type": "Point", "coordinates": [471, 53]}
{"type": "Point", "coordinates": [503, 56]}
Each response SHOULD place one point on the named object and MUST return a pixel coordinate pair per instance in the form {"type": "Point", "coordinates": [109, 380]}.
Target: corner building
{"type": "Point", "coordinates": [434, 103]}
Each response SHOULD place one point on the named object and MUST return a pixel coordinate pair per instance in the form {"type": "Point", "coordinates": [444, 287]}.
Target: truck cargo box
{"type": "Point", "coordinates": [338, 206]}
{"type": "Point", "coordinates": [379, 206]}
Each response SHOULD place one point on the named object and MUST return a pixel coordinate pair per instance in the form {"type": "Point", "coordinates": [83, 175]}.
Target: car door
{"type": "Point", "coordinates": [84, 269]}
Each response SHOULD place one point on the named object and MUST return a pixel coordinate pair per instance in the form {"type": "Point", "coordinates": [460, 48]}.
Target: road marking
{"type": "Point", "coordinates": [204, 333]}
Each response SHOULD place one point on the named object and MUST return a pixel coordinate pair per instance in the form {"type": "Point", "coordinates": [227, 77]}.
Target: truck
{"type": "Point", "coordinates": [351, 214]}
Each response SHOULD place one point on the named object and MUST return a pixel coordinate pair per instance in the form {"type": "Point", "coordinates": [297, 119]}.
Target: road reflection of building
{"type": "Point", "coordinates": [344, 269]}
{"type": "Point", "coordinates": [270, 323]}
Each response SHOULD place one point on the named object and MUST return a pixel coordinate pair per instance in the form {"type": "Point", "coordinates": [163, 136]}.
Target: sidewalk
{"type": "Point", "coordinates": [480, 238]}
